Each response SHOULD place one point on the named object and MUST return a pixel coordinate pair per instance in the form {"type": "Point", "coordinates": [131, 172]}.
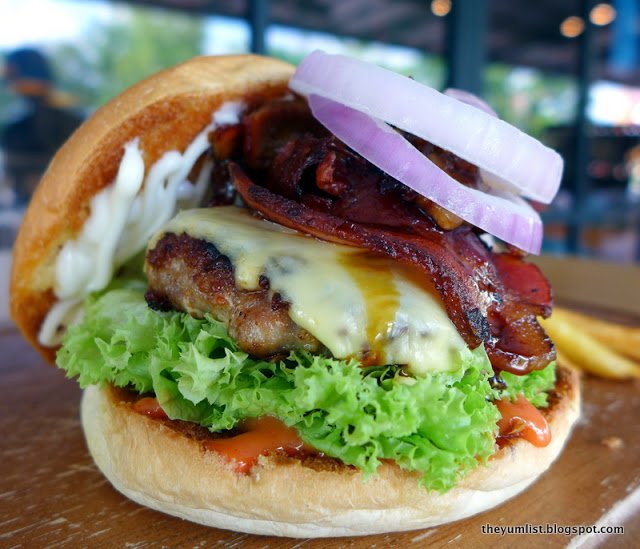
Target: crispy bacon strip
{"type": "Point", "coordinates": [315, 184]}
{"type": "Point", "coordinates": [271, 126]}
{"type": "Point", "coordinates": [484, 300]}
{"type": "Point", "coordinates": [525, 282]}
{"type": "Point", "coordinates": [289, 166]}
{"type": "Point", "coordinates": [358, 191]}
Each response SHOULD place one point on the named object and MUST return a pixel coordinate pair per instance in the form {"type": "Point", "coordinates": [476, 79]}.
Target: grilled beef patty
{"type": "Point", "coordinates": [191, 275]}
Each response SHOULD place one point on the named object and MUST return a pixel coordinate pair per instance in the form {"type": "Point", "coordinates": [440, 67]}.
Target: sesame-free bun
{"type": "Point", "coordinates": [160, 467]}
{"type": "Point", "coordinates": [166, 111]}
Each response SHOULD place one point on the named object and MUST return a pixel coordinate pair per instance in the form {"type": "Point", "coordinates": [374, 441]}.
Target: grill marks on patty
{"type": "Point", "coordinates": [191, 275]}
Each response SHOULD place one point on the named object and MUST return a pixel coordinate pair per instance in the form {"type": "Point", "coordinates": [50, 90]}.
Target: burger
{"type": "Point", "coordinates": [298, 303]}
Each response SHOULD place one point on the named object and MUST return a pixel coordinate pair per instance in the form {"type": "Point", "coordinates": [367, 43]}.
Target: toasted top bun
{"type": "Point", "coordinates": [160, 467]}
{"type": "Point", "coordinates": [166, 111]}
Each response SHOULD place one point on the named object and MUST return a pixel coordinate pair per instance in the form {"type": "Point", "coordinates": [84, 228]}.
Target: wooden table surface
{"type": "Point", "coordinates": [51, 494]}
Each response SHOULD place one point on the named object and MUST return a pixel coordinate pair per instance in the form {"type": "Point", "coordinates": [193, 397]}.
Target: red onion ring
{"type": "Point", "coordinates": [501, 214]}
{"type": "Point", "coordinates": [512, 159]}
{"type": "Point", "coordinates": [470, 99]}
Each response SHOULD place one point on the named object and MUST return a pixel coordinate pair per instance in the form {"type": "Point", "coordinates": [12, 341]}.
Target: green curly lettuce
{"type": "Point", "coordinates": [533, 386]}
{"type": "Point", "coordinates": [441, 425]}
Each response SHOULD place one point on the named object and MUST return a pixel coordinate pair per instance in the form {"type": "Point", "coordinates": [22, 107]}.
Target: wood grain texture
{"type": "Point", "coordinates": [51, 494]}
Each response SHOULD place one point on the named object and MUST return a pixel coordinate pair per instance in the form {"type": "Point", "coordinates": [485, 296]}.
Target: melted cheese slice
{"type": "Point", "coordinates": [354, 302]}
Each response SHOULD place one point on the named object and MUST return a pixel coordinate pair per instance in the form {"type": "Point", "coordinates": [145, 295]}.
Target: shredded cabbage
{"type": "Point", "coordinates": [441, 425]}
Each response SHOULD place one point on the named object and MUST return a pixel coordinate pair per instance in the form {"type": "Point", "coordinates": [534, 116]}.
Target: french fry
{"type": "Point", "coordinates": [625, 340]}
{"type": "Point", "coordinates": [585, 351]}
{"type": "Point", "coordinates": [565, 361]}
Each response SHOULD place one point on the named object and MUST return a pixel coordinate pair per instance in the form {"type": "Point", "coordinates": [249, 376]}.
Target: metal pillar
{"type": "Point", "coordinates": [258, 18]}
{"type": "Point", "coordinates": [467, 32]}
{"type": "Point", "coordinates": [582, 142]}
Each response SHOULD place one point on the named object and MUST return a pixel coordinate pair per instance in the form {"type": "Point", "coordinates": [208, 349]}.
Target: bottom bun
{"type": "Point", "coordinates": [164, 468]}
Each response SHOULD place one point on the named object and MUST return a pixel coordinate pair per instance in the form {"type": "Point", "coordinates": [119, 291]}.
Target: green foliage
{"type": "Point", "coordinates": [530, 99]}
{"type": "Point", "coordinates": [112, 57]}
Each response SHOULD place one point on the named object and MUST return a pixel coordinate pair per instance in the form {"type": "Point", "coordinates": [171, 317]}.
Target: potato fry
{"type": "Point", "coordinates": [625, 340]}
{"type": "Point", "coordinates": [565, 361]}
{"type": "Point", "coordinates": [582, 349]}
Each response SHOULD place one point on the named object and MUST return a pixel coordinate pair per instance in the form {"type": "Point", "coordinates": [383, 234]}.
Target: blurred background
{"type": "Point", "coordinates": [565, 71]}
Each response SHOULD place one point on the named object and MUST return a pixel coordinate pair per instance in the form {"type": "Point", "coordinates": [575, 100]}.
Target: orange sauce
{"type": "Point", "coordinates": [261, 437]}
{"type": "Point", "coordinates": [521, 419]}
{"type": "Point", "coordinates": [374, 278]}
{"type": "Point", "coordinates": [149, 406]}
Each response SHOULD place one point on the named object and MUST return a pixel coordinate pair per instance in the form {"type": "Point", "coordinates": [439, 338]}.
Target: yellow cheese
{"type": "Point", "coordinates": [356, 303]}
